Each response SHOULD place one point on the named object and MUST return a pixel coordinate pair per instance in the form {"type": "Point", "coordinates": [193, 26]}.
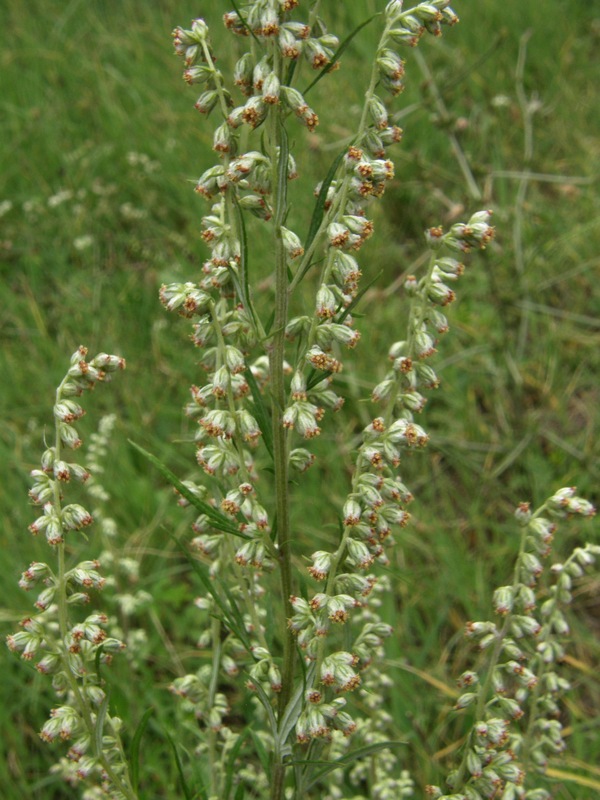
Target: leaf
{"type": "Point", "coordinates": [217, 520]}
{"type": "Point", "coordinates": [319, 209]}
{"type": "Point", "coordinates": [230, 767]}
{"type": "Point", "coordinates": [135, 748]}
{"type": "Point", "coordinates": [261, 411]}
{"type": "Point", "coordinates": [186, 789]}
{"type": "Point", "coordinates": [361, 752]}
{"type": "Point", "coordinates": [359, 296]}
{"type": "Point", "coordinates": [338, 53]}
{"type": "Point", "coordinates": [269, 323]}
{"type": "Point", "coordinates": [292, 710]}
{"type": "Point", "coordinates": [97, 665]}
{"type": "Point", "coordinates": [263, 756]}
{"type": "Point", "coordinates": [244, 287]}
{"type": "Point", "coordinates": [236, 619]}
{"type": "Point", "coordinates": [290, 71]}
{"type": "Point", "coordinates": [264, 699]}
{"type": "Point", "coordinates": [99, 727]}
{"type": "Point", "coordinates": [316, 376]}
{"type": "Point", "coordinates": [209, 585]}
{"type": "Point", "coordinates": [244, 23]}
{"type": "Point", "coordinates": [239, 792]}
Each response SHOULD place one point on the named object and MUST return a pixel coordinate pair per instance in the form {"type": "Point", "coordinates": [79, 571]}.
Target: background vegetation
{"type": "Point", "coordinates": [100, 144]}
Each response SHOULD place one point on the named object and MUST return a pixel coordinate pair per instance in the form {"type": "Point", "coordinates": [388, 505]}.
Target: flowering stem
{"type": "Point", "coordinates": [276, 364]}
{"type": "Point", "coordinates": [494, 657]}
{"type": "Point", "coordinates": [63, 621]}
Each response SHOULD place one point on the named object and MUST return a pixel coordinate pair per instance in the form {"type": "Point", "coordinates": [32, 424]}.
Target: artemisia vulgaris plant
{"type": "Point", "coordinates": [67, 640]}
{"type": "Point", "coordinates": [292, 694]}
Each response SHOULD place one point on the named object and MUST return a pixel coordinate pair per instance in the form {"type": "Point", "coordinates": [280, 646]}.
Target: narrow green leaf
{"type": "Point", "coordinates": [294, 707]}
{"type": "Point", "coordinates": [230, 766]}
{"type": "Point", "coordinates": [217, 520]}
{"type": "Point", "coordinates": [261, 411]}
{"type": "Point", "coordinates": [290, 71]}
{"type": "Point", "coordinates": [186, 789]}
{"type": "Point", "coordinates": [270, 321]}
{"type": "Point", "coordinates": [338, 53]}
{"type": "Point", "coordinates": [245, 24]}
{"type": "Point", "coordinates": [316, 376]}
{"type": "Point", "coordinates": [99, 727]}
{"type": "Point", "coordinates": [134, 759]}
{"type": "Point", "coordinates": [356, 300]}
{"type": "Point", "coordinates": [264, 699]}
{"type": "Point", "coordinates": [239, 792]}
{"type": "Point", "coordinates": [209, 585]}
{"type": "Point", "coordinates": [263, 756]}
{"type": "Point", "coordinates": [244, 268]}
{"type": "Point", "coordinates": [235, 615]}
{"type": "Point", "coordinates": [319, 209]}
{"type": "Point", "coordinates": [97, 664]}
{"type": "Point", "coordinates": [350, 758]}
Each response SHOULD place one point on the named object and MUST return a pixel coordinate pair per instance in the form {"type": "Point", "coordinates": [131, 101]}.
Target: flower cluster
{"type": "Point", "coordinates": [229, 407]}
{"type": "Point", "coordinates": [377, 503]}
{"type": "Point", "coordinates": [515, 693]}
{"type": "Point", "coordinates": [365, 171]}
{"type": "Point", "coordinates": [70, 651]}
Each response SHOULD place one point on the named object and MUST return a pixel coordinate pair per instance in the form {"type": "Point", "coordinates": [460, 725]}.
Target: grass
{"type": "Point", "coordinates": [103, 144]}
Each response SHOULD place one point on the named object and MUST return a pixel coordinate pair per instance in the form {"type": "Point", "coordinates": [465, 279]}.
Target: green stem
{"type": "Point", "coordinates": [212, 691]}
{"type": "Point", "coordinates": [280, 438]}
{"type": "Point", "coordinates": [417, 312]}
{"type": "Point", "coordinates": [280, 446]}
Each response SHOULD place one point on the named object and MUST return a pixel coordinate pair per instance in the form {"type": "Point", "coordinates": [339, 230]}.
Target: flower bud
{"type": "Point", "coordinates": [271, 89]}
{"type": "Point", "coordinates": [301, 459]}
{"type": "Point", "coordinates": [378, 113]}
{"type": "Point", "coordinates": [207, 101]}
{"type": "Point", "coordinates": [198, 74]}
{"type": "Point", "coordinates": [291, 243]}
{"type": "Point", "coordinates": [74, 517]}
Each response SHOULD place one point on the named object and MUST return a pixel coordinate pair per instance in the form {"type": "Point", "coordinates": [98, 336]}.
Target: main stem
{"type": "Point", "coordinates": [280, 446]}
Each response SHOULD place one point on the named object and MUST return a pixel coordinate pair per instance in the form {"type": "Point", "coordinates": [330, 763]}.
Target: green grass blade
{"type": "Point", "coordinates": [217, 520]}
{"type": "Point", "coordinates": [134, 761]}
{"type": "Point", "coordinates": [338, 53]}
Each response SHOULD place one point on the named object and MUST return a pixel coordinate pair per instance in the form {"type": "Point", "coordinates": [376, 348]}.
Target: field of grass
{"type": "Point", "coordinates": [101, 144]}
